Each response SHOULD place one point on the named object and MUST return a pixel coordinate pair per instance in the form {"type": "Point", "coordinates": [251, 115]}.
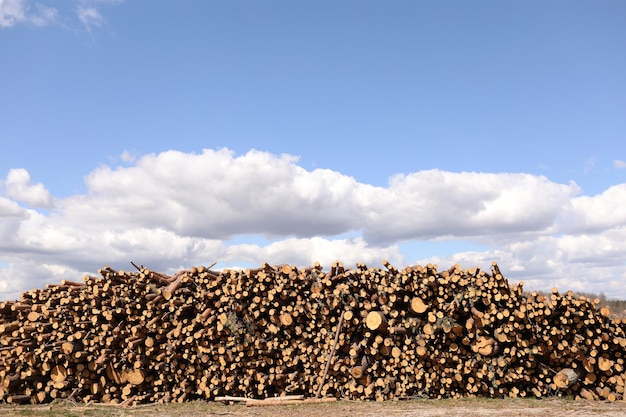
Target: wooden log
{"type": "Point", "coordinates": [59, 373]}
{"type": "Point", "coordinates": [231, 398]}
{"type": "Point", "coordinates": [485, 346]}
{"type": "Point", "coordinates": [418, 305]}
{"type": "Point", "coordinates": [376, 320]}
{"type": "Point", "coordinates": [330, 356]}
{"type": "Point", "coordinates": [134, 376]}
{"type": "Point", "coordinates": [605, 363]}
{"type": "Point", "coordinates": [565, 378]}
{"type": "Point", "coordinates": [360, 370]}
{"type": "Point", "coordinates": [9, 327]}
{"type": "Point", "coordinates": [277, 401]}
{"type": "Point", "coordinates": [19, 399]}
{"type": "Point", "coordinates": [286, 319]}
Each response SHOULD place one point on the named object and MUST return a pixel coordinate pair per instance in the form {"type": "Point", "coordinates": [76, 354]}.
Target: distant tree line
{"type": "Point", "coordinates": [618, 307]}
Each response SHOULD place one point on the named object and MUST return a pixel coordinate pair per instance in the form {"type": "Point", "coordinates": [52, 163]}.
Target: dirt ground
{"type": "Point", "coordinates": [411, 408]}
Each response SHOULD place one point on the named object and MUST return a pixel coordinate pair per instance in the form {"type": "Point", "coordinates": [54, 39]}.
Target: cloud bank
{"type": "Point", "coordinates": [175, 210]}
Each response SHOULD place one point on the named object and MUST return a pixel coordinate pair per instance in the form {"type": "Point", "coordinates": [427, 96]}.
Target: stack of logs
{"type": "Point", "coordinates": [353, 333]}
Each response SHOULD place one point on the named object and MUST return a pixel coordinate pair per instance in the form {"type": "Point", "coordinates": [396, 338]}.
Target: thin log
{"type": "Point", "coordinates": [330, 356]}
{"type": "Point", "coordinates": [277, 401]}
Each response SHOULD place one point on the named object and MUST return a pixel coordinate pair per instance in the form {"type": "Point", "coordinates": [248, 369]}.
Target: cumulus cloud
{"type": "Point", "coordinates": [433, 204]}
{"type": "Point", "coordinates": [19, 187]}
{"type": "Point", "coordinates": [216, 195]}
{"type": "Point", "coordinates": [10, 209]}
{"type": "Point", "coordinates": [324, 251]}
{"type": "Point", "coordinates": [619, 164]}
{"type": "Point", "coordinates": [13, 12]}
{"type": "Point", "coordinates": [173, 210]}
{"type": "Point", "coordinates": [596, 213]}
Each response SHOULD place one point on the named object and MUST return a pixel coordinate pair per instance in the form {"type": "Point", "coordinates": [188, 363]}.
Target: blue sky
{"type": "Point", "coordinates": [182, 133]}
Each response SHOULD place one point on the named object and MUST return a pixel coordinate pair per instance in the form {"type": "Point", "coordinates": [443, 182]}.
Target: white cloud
{"type": "Point", "coordinates": [90, 17]}
{"type": "Point", "coordinates": [24, 275]}
{"type": "Point", "coordinates": [324, 251]}
{"type": "Point", "coordinates": [13, 12]}
{"type": "Point", "coordinates": [12, 217]}
{"type": "Point", "coordinates": [174, 210]}
{"type": "Point", "coordinates": [10, 209]}
{"type": "Point", "coordinates": [619, 164]}
{"type": "Point", "coordinates": [216, 195]}
{"type": "Point", "coordinates": [432, 204]}
{"type": "Point", "coordinates": [128, 156]}
{"type": "Point", "coordinates": [44, 16]}
{"type": "Point", "coordinates": [19, 187]}
{"type": "Point", "coordinates": [593, 214]}
{"type": "Point", "coordinates": [87, 12]}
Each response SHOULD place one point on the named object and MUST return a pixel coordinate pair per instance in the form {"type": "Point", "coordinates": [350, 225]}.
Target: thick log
{"type": "Point", "coordinates": [605, 363]}
{"type": "Point", "coordinates": [418, 305]}
{"type": "Point", "coordinates": [376, 320]}
{"type": "Point", "coordinates": [565, 378]}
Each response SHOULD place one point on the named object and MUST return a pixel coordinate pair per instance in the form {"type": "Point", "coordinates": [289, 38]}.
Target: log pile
{"type": "Point", "coordinates": [353, 333]}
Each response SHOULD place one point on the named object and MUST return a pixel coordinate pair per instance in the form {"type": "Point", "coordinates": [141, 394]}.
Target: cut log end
{"type": "Point", "coordinates": [565, 378]}
{"type": "Point", "coordinates": [418, 305]}
{"type": "Point", "coordinates": [376, 320]}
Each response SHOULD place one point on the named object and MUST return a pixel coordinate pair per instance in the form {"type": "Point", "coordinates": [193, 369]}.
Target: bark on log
{"type": "Point", "coordinates": [565, 378]}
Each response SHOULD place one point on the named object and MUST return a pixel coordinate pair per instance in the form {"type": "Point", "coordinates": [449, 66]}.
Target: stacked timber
{"type": "Point", "coordinates": [353, 333]}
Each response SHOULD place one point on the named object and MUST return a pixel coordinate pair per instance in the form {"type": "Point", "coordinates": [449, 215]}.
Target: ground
{"type": "Point", "coordinates": [413, 408]}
